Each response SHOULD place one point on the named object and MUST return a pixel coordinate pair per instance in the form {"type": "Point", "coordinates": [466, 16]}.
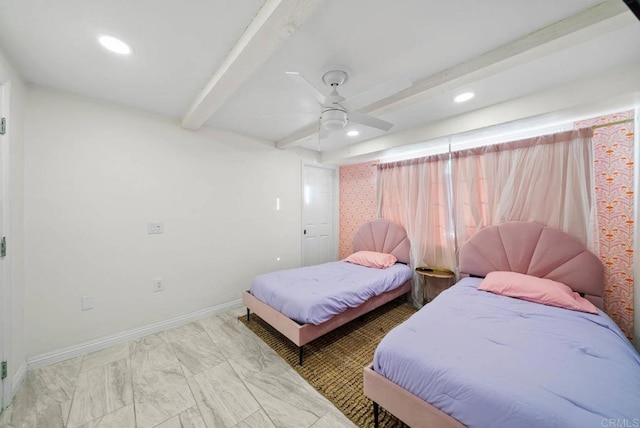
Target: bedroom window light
{"type": "Point", "coordinates": [518, 130]}
{"type": "Point", "coordinates": [277, 204]}
{"type": "Point", "coordinates": [481, 139]}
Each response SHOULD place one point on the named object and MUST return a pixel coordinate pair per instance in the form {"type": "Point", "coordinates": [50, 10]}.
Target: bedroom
{"type": "Point", "coordinates": [79, 212]}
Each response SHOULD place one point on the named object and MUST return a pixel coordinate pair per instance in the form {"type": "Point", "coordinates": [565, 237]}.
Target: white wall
{"type": "Point", "coordinates": [95, 173]}
{"type": "Point", "coordinates": [14, 261]}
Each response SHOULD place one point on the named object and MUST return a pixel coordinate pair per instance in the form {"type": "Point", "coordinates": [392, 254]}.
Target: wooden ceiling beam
{"type": "Point", "coordinates": [274, 23]}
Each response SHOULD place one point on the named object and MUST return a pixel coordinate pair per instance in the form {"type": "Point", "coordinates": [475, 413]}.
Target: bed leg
{"type": "Point", "coordinates": [376, 411]}
{"type": "Point", "coordinates": [248, 315]}
{"type": "Point", "coordinates": [300, 353]}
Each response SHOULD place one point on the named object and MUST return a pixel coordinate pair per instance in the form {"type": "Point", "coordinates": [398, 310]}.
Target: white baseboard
{"type": "Point", "coordinates": [116, 339]}
{"type": "Point", "coordinates": [18, 377]}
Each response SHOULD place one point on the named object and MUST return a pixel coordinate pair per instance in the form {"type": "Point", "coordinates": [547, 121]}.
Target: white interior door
{"type": "Point", "coordinates": [318, 234]}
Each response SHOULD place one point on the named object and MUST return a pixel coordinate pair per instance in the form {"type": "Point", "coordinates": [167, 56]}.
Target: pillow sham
{"type": "Point", "coordinates": [537, 290]}
{"type": "Point", "coordinates": [372, 259]}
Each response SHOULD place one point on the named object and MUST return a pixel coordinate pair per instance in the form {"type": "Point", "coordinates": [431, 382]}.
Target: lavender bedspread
{"type": "Point", "coordinates": [314, 294]}
{"type": "Point", "coordinates": [495, 361]}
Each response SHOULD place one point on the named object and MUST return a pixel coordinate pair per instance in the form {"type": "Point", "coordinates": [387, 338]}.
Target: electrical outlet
{"type": "Point", "coordinates": [87, 302]}
{"type": "Point", "coordinates": [154, 228]}
{"type": "Point", "coordinates": [158, 284]}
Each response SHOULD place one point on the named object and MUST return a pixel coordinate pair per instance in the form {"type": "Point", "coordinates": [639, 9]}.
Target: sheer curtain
{"type": "Point", "coordinates": [446, 198]}
{"type": "Point", "coordinates": [547, 179]}
{"type": "Point", "coordinates": [416, 195]}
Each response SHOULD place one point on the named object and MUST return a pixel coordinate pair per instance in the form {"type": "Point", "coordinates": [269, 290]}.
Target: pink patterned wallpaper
{"type": "Point", "coordinates": [357, 201]}
{"type": "Point", "coordinates": [613, 144]}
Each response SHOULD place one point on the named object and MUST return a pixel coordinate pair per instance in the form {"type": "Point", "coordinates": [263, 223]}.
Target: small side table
{"type": "Point", "coordinates": [434, 281]}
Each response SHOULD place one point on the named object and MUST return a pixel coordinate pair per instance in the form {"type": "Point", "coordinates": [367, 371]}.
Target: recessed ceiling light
{"type": "Point", "coordinates": [353, 133]}
{"type": "Point", "coordinates": [114, 45]}
{"type": "Point", "coordinates": [465, 96]}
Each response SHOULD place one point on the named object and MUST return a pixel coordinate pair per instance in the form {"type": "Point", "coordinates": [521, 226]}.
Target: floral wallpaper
{"type": "Point", "coordinates": [357, 201]}
{"type": "Point", "coordinates": [613, 144]}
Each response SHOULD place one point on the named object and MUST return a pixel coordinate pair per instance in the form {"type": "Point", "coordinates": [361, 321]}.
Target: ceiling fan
{"type": "Point", "coordinates": [335, 113]}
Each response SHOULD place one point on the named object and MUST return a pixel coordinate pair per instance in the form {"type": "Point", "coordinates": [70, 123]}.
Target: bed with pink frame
{"type": "Point", "coordinates": [522, 247]}
{"type": "Point", "coordinates": [380, 236]}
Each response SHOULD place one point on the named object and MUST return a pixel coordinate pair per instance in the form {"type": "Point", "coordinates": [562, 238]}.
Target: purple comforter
{"type": "Point", "coordinates": [495, 361]}
{"type": "Point", "coordinates": [314, 294]}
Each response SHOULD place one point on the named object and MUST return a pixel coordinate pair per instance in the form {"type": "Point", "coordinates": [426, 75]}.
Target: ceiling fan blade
{"type": "Point", "coordinates": [307, 85]}
{"type": "Point", "coordinates": [369, 121]}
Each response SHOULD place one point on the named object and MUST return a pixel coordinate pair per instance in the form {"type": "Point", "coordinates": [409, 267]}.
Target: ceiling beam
{"type": "Point", "coordinates": [274, 23]}
{"type": "Point", "coordinates": [594, 22]}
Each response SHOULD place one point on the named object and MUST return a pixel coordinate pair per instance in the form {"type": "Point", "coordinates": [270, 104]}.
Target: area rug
{"type": "Point", "coordinates": [333, 363]}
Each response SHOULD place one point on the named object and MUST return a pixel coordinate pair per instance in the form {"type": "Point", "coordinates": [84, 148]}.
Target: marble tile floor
{"type": "Point", "coordinates": [210, 373]}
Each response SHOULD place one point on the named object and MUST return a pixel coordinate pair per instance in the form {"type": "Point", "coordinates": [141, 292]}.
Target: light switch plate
{"type": "Point", "coordinates": [87, 302]}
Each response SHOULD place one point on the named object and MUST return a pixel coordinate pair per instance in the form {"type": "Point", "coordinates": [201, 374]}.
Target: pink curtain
{"type": "Point", "coordinates": [547, 179]}
{"type": "Point", "coordinates": [444, 199]}
{"type": "Point", "coordinates": [416, 195]}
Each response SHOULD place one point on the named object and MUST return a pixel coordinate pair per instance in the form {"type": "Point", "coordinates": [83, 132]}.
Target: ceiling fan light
{"type": "Point", "coordinates": [334, 119]}
{"type": "Point", "coordinates": [463, 97]}
{"type": "Point", "coordinates": [114, 45]}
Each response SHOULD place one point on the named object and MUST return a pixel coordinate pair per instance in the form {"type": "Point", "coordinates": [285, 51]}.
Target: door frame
{"type": "Point", "coordinates": [334, 207]}
{"type": "Point", "coordinates": [5, 286]}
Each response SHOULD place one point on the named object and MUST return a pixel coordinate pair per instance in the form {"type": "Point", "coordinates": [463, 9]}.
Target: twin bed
{"type": "Point", "coordinates": [306, 303]}
{"type": "Point", "coordinates": [472, 357]}
{"type": "Point", "coordinates": [476, 358]}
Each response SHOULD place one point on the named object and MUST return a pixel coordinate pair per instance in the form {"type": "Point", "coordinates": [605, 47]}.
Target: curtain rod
{"type": "Point", "coordinates": [612, 123]}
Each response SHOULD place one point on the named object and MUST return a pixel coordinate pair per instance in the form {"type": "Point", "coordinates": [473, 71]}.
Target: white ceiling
{"type": "Point", "coordinates": [222, 63]}
{"type": "Point", "coordinates": [176, 48]}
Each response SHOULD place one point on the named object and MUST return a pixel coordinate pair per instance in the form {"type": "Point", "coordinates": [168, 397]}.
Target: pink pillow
{"type": "Point", "coordinates": [534, 289]}
{"type": "Point", "coordinates": [372, 259]}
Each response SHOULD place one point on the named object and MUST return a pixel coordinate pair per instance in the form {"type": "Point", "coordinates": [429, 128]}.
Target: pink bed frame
{"type": "Point", "coordinates": [378, 235]}
{"type": "Point", "coordinates": [522, 247]}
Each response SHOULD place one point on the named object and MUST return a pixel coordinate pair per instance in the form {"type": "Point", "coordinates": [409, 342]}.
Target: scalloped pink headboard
{"type": "Point", "coordinates": [537, 250]}
{"type": "Point", "coordinates": [383, 236]}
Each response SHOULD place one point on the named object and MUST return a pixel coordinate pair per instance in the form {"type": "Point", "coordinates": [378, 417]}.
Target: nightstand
{"type": "Point", "coordinates": [434, 281]}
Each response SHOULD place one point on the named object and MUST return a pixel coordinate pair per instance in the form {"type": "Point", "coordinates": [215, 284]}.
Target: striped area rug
{"type": "Point", "coordinates": [333, 363]}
